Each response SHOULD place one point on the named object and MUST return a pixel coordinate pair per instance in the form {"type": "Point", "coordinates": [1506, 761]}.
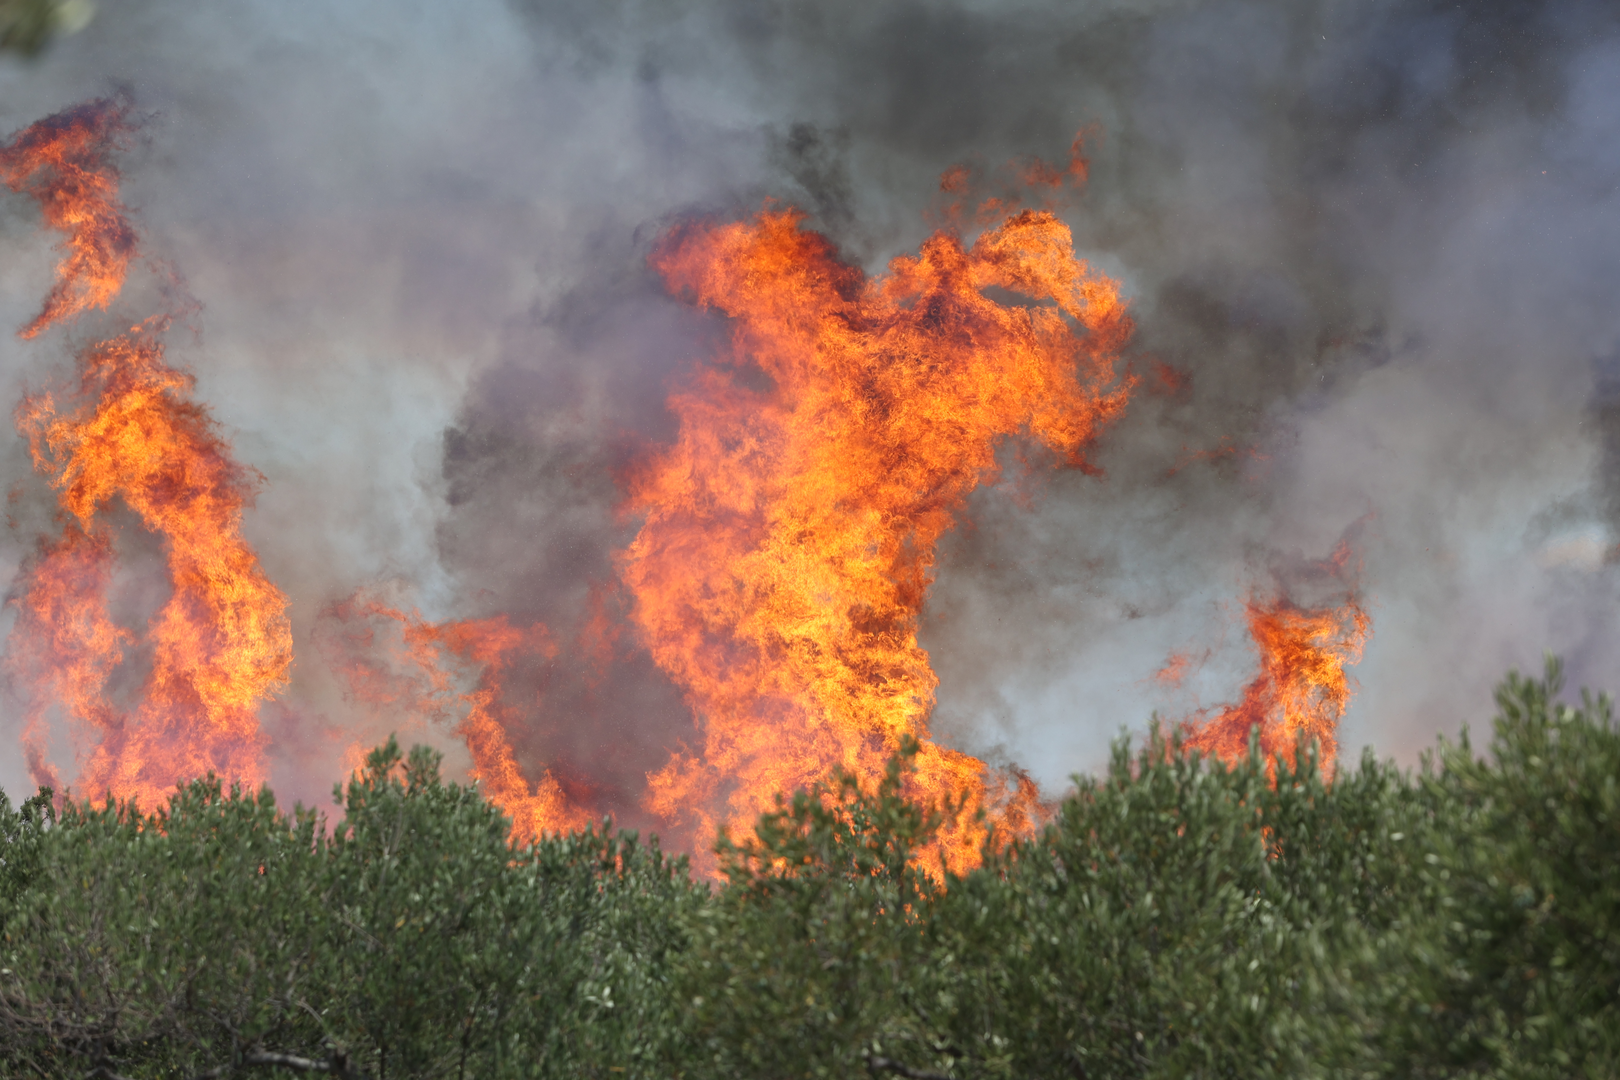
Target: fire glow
{"type": "Point", "coordinates": [130, 432]}
{"type": "Point", "coordinates": [791, 533]}
{"type": "Point", "coordinates": [788, 535]}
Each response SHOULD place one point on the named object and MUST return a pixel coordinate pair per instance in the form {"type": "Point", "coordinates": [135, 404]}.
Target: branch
{"type": "Point", "coordinates": [357, 928]}
{"type": "Point", "coordinates": [337, 1064]}
{"type": "Point", "coordinates": [883, 1064]}
{"type": "Point", "coordinates": [298, 1064]}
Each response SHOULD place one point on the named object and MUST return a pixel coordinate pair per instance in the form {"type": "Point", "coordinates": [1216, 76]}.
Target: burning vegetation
{"type": "Point", "coordinates": [129, 435]}
{"type": "Point", "coordinates": [787, 538]}
{"type": "Point", "coordinates": [790, 533]}
{"type": "Point", "coordinates": [1301, 689]}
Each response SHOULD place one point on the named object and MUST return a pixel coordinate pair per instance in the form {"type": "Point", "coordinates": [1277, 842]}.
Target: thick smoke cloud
{"type": "Point", "coordinates": [1371, 250]}
{"type": "Point", "coordinates": [1376, 241]}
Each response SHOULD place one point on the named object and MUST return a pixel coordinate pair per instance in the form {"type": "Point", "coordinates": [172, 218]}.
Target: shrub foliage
{"type": "Point", "coordinates": [1179, 917]}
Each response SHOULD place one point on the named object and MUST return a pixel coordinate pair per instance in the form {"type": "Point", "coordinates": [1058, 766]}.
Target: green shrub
{"type": "Point", "coordinates": [1178, 917]}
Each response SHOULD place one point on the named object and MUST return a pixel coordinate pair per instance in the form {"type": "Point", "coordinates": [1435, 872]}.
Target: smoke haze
{"type": "Point", "coordinates": [1371, 249]}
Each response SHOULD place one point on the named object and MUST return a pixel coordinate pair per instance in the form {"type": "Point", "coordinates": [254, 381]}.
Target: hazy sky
{"type": "Point", "coordinates": [1383, 239]}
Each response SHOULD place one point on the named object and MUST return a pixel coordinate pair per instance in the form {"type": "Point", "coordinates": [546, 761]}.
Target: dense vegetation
{"type": "Point", "coordinates": [1179, 918]}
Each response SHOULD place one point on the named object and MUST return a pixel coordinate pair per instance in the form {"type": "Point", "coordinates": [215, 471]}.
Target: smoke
{"type": "Point", "coordinates": [1371, 250]}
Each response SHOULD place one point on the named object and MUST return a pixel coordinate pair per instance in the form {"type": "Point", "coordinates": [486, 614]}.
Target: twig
{"type": "Point", "coordinates": [883, 1064]}
{"type": "Point", "coordinates": [101, 1072]}
{"type": "Point", "coordinates": [288, 1061]}
{"type": "Point", "coordinates": [357, 928]}
{"type": "Point", "coordinates": [337, 1064]}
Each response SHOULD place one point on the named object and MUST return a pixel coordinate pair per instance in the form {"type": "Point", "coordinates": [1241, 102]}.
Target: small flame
{"type": "Point", "coordinates": [1174, 671]}
{"type": "Point", "coordinates": [790, 533]}
{"type": "Point", "coordinates": [131, 433]}
{"type": "Point", "coordinates": [417, 674]}
{"type": "Point", "coordinates": [1301, 690]}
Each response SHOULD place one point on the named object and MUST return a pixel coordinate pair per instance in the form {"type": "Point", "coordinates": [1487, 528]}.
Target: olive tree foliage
{"type": "Point", "coordinates": [812, 961]}
{"type": "Point", "coordinates": [1160, 928]}
{"type": "Point", "coordinates": [1524, 978]}
{"type": "Point", "coordinates": [1182, 917]}
{"type": "Point", "coordinates": [1177, 917]}
{"type": "Point", "coordinates": [411, 940]}
{"type": "Point", "coordinates": [22, 834]}
{"type": "Point", "coordinates": [175, 928]}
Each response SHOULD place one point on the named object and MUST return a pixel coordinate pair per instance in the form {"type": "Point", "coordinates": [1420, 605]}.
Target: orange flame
{"type": "Point", "coordinates": [790, 532]}
{"type": "Point", "coordinates": [131, 433]}
{"type": "Point", "coordinates": [1301, 690]}
{"type": "Point", "coordinates": [64, 641]}
{"type": "Point", "coordinates": [1174, 671]}
{"type": "Point", "coordinates": [1226, 449]}
{"type": "Point", "coordinates": [62, 162]}
{"type": "Point", "coordinates": [419, 677]}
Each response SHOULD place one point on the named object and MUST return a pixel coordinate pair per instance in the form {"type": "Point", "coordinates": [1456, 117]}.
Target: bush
{"type": "Point", "coordinates": [411, 941]}
{"type": "Point", "coordinates": [1179, 917]}
{"type": "Point", "coordinates": [1524, 980]}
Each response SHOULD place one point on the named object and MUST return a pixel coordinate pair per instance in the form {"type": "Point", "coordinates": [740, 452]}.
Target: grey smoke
{"type": "Point", "coordinates": [1380, 239]}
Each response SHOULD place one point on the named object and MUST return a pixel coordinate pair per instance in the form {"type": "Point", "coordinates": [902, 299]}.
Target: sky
{"type": "Point", "coordinates": [1380, 242]}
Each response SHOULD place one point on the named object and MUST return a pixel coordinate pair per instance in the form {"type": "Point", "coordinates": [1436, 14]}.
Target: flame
{"type": "Point", "coordinates": [1039, 173]}
{"type": "Point", "coordinates": [1174, 671]}
{"type": "Point", "coordinates": [62, 161]}
{"type": "Point", "coordinates": [64, 639]}
{"type": "Point", "coordinates": [418, 677]}
{"type": "Point", "coordinates": [789, 535]}
{"type": "Point", "coordinates": [790, 532]}
{"type": "Point", "coordinates": [1301, 690]}
{"type": "Point", "coordinates": [1225, 450]}
{"type": "Point", "coordinates": [130, 433]}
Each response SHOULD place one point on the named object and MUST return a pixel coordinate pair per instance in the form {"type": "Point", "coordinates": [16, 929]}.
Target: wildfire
{"type": "Point", "coordinates": [131, 434]}
{"type": "Point", "coordinates": [790, 532]}
{"type": "Point", "coordinates": [416, 673]}
{"type": "Point", "coordinates": [788, 535]}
